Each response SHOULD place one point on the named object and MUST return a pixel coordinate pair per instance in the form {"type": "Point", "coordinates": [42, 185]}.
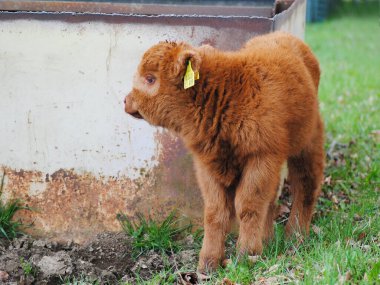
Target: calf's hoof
{"type": "Point", "coordinates": [208, 264]}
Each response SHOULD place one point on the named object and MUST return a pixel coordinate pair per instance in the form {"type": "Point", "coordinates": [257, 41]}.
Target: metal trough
{"type": "Point", "coordinates": [67, 149]}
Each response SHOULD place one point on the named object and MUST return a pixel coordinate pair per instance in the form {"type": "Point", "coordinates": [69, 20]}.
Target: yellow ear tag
{"type": "Point", "coordinates": [196, 74]}
{"type": "Point", "coordinates": [190, 76]}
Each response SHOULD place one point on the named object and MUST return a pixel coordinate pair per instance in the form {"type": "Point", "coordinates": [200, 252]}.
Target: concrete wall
{"type": "Point", "coordinates": [67, 148]}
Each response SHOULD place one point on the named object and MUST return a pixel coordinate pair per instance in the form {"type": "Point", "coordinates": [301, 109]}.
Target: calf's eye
{"type": "Point", "coordinates": [150, 79]}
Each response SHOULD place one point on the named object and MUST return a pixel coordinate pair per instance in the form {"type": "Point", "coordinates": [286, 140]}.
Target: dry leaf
{"type": "Point", "coordinates": [376, 135]}
{"type": "Point", "coordinates": [273, 280]}
{"type": "Point", "coordinates": [362, 236]}
{"type": "Point", "coordinates": [348, 276]}
{"type": "Point", "coordinates": [203, 277]}
{"type": "Point", "coordinates": [188, 278]}
{"type": "Point", "coordinates": [334, 199]}
{"type": "Point", "coordinates": [226, 262]}
{"type": "Point", "coordinates": [272, 268]}
{"type": "Point", "coordinates": [357, 217]}
{"type": "Point", "coordinates": [266, 281]}
{"type": "Point", "coordinates": [343, 279]}
{"type": "Point", "coordinates": [317, 230]}
{"type": "Point", "coordinates": [327, 180]}
{"type": "Point", "coordinates": [299, 238]}
{"type": "Point", "coordinates": [227, 281]}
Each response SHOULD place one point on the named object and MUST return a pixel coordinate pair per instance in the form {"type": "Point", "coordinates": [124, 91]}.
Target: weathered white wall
{"type": "Point", "coordinates": [62, 87]}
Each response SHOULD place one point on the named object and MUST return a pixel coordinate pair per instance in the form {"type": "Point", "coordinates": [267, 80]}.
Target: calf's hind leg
{"type": "Point", "coordinates": [254, 197]}
{"type": "Point", "coordinates": [305, 177]}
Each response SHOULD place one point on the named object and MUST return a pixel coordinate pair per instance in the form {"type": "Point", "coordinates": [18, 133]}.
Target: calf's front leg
{"type": "Point", "coordinates": [218, 212]}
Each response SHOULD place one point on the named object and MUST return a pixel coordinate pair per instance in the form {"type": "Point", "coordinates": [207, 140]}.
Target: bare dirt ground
{"type": "Point", "coordinates": [107, 259]}
{"type": "Point", "coordinates": [29, 261]}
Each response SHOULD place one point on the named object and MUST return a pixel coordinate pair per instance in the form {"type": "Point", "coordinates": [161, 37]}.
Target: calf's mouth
{"type": "Point", "coordinates": [130, 108]}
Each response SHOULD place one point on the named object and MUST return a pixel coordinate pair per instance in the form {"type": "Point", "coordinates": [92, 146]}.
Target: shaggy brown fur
{"type": "Point", "coordinates": [249, 113]}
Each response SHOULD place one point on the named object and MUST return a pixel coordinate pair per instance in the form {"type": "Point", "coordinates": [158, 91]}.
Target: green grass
{"type": "Point", "coordinates": [28, 268]}
{"type": "Point", "coordinates": [148, 234]}
{"type": "Point", "coordinates": [347, 248]}
{"type": "Point", "coordinates": [83, 280]}
{"type": "Point", "coordinates": [9, 228]}
{"type": "Point", "coordinates": [167, 276]}
{"type": "Point", "coordinates": [348, 49]}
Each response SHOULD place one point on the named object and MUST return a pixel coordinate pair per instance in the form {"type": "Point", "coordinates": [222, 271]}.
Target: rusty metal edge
{"type": "Point", "coordinates": [130, 8]}
{"type": "Point", "coordinates": [280, 18]}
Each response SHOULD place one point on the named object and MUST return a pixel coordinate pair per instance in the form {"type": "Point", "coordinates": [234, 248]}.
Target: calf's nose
{"type": "Point", "coordinates": [130, 106]}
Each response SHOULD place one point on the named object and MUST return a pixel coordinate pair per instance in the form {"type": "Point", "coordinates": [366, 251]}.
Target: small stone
{"type": "Point", "coordinates": [253, 258]}
{"type": "Point", "coordinates": [56, 265]}
{"type": "Point", "coordinates": [18, 243]}
{"type": "Point", "coordinates": [4, 276]}
{"type": "Point", "coordinates": [39, 243]}
{"type": "Point", "coordinates": [127, 279]}
{"type": "Point", "coordinates": [107, 276]}
{"type": "Point", "coordinates": [49, 245]}
{"type": "Point", "coordinates": [10, 263]}
{"type": "Point", "coordinates": [366, 247]}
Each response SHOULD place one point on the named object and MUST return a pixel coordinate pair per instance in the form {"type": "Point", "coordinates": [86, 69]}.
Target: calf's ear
{"type": "Point", "coordinates": [184, 56]}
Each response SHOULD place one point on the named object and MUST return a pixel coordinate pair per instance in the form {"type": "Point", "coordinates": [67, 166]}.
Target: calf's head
{"type": "Point", "coordinates": [158, 93]}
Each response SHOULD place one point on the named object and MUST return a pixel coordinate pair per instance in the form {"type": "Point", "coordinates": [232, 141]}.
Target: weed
{"type": "Point", "coordinates": [28, 268]}
{"type": "Point", "coordinates": [162, 277]}
{"type": "Point", "coordinates": [9, 228]}
{"type": "Point", "coordinates": [83, 280]}
{"type": "Point", "coordinates": [148, 235]}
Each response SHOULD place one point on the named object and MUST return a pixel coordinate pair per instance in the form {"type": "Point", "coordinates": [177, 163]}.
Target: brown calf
{"type": "Point", "coordinates": [250, 112]}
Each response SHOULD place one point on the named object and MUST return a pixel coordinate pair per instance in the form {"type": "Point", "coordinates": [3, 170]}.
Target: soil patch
{"type": "Point", "coordinates": [106, 259]}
